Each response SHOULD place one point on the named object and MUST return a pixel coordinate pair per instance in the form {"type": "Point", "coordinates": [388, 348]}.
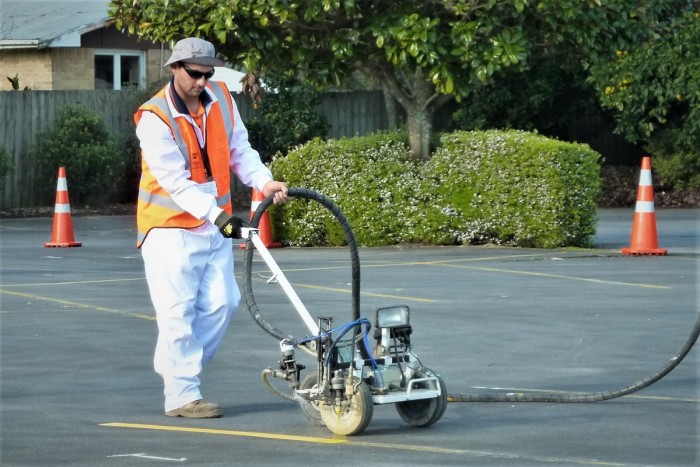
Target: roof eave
{"type": "Point", "coordinates": [72, 38]}
{"type": "Point", "coordinates": [68, 39]}
{"type": "Point", "coordinates": [19, 44]}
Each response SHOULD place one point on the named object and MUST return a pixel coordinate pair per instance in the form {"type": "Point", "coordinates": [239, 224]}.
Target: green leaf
{"type": "Point", "coordinates": [449, 86]}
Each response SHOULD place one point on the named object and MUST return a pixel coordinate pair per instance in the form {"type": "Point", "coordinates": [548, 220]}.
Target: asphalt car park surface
{"type": "Point", "coordinates": [77, 337]}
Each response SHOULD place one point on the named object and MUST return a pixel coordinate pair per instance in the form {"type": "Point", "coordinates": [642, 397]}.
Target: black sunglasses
{"type": "Point", "coordinates": [194, 74]}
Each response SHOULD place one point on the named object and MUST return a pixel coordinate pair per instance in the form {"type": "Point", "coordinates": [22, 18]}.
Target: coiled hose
{"type": "Point", "coordinates": [552, 397]}
{"type": "Point", "coordinates": [248, 259]}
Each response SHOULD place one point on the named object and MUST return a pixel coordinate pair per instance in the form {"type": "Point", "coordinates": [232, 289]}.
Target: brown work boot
{"type": "Point", "coordinates": [197, 409]}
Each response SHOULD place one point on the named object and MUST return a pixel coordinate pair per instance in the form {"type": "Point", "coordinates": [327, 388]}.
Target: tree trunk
{"type": "Point", "coordinates": [417, 96]}
{"type": "Point", "coordinates": [420, 129]}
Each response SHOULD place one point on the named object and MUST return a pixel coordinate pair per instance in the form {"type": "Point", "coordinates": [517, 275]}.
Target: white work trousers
{"type": "Point", "coordinates": [194, 292]}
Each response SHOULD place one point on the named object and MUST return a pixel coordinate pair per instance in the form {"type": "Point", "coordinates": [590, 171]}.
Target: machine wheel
{"type": "Point", "coordinates": [424, 412]}
{"type": "Point", "coordinates": [310, 409]}
{"type": "Point", "coordinates": [353, 419]}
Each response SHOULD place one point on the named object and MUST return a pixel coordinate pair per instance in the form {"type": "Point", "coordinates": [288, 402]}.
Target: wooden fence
{"type": "Point", "coordinates": [26, 113]}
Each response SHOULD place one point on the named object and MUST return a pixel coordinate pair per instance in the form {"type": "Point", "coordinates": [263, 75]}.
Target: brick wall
{"type": "Point", "coordinates": [154, 65]}
{"type": "Point", "coordinates": [32, 66]}
{"type": "Point", "coordinates": [73, 68]}
{"type": "Point", "coordinates": [64, 69]}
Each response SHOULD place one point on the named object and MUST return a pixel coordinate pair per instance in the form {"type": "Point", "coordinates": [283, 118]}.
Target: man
{"type": "Point", "coordinates": [191, 138]}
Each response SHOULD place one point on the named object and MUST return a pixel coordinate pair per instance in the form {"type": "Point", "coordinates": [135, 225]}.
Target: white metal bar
{"type": "Point", "coordinates": [401, 396]}
{"type": "Point", "coordinates": [278, 275]}
{"type": "Point", "coordinates": [414, 381]}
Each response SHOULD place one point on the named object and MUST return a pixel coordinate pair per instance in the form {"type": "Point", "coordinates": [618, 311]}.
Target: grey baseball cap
{"type": "Point", "coordinates": [194, 50]}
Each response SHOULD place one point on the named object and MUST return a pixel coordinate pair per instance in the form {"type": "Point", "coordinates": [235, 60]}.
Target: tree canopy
{"type": "Point", "coordinates": [657, 83]}
{"type": "Point", "coordinates": [654, 92]}
{"type": "Point", "coordinates": [424, 52]}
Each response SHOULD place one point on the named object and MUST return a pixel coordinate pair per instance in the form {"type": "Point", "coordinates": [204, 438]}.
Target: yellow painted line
{"type": "Point", "coordinates": [476, 268]}
{"type": "Point", "coordinates": [7, 227]}
{"type": "Point", "coordinates": [57, 300]}
{"type": "Point", "coordinates": [247, 434]}
{"type": "Point", "coordinates": [6, 268]}
{"type": "Point", "coordinates": [455, 260]}
{"type": "Point", "coordinates": [70, 303]}
{"type": "Point", "coordinates": [557, 276]}
{"type": "Point", "coordinates": [348, 291]}
{"type": "Point", "coordinates": [391, 264]}
{"type": "Point", "coordinates": [354, 443]}
{"type": "Point", "coordinates": [663, 398]}
{"type": "Point", "coordinates": [366, 294]}
{"type": "Point", "coordinates": [451, 263]}
{"type": "Point", "coordinates": [101, 281]}
{"type": "Point", "coordinates": [139, 315]}
{"type": "Point", "coordinates": [395, 264]}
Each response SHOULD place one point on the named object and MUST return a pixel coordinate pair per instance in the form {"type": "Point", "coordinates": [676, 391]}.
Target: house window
{"type": "Point", "coordinates": [119, 69]}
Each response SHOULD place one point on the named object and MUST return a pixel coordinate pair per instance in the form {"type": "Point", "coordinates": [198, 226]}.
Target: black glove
{"type": "Point", "coordinates": [230, 226]}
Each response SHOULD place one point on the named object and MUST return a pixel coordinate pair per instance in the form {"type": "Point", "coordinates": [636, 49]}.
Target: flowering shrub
{"type": "Point", "coordinates": [511, 187]}
{"type": "Point", "coordinates": [372, 179]}
{"type": "Point", "coordinates": [503, 187]}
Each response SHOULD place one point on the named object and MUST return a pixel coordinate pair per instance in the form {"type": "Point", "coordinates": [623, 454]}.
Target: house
{"type": "Point", "coordinates": [74, 45]}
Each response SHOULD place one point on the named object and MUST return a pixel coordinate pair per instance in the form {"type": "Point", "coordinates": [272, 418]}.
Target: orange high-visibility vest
{"type": "Point", "coordinates": [155, 207]}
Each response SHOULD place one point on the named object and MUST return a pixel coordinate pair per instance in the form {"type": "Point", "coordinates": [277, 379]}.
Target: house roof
{"type": "Point", "coordinates": [32, 24]}
{"type": "Point", "coordinates": [49, 23]}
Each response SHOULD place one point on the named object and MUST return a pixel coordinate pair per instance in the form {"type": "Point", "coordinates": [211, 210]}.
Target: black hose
{"type": "Point", "coordinates": [585, 397]}
{"type": "Point", "coordinates": [458, 397]}
{"type": "Point", "coordinates": [249, 249]}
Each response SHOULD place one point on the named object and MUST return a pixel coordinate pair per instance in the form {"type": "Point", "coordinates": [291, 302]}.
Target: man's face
{"type": "Point", "coordinates": [191, 78]}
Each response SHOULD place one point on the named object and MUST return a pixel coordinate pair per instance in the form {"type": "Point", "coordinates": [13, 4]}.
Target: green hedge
{"type": "Point", "coordinates": [81, 142]}
{"type": "Point", "coordinates": [503, 187]}
{"type": "Point", "coordinates": [511, 187]}
{"type": "Point", "coordinates": [372, 179]}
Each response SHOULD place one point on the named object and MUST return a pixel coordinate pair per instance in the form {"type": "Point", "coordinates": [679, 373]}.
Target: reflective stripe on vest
{"type": "Point", "coordinates": [167, 202]}
{"type": "Point", "coordinates": [224, 96]}
{"type": "Point", "coordinates": [160, 102]}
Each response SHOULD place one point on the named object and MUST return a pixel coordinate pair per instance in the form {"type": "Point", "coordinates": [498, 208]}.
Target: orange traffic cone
{"type": "Point", "coordinates": [644, 239]}
{"type": "Point", "coordinates": [265, 231]}
{"type": "Point", "coordinates": [62, 235]}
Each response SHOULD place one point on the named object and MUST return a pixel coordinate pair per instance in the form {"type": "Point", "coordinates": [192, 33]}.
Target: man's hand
{"type": "Point", "coordinates": [278, 189]}
{"type": "Point", "coordinates": [230, 226]}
